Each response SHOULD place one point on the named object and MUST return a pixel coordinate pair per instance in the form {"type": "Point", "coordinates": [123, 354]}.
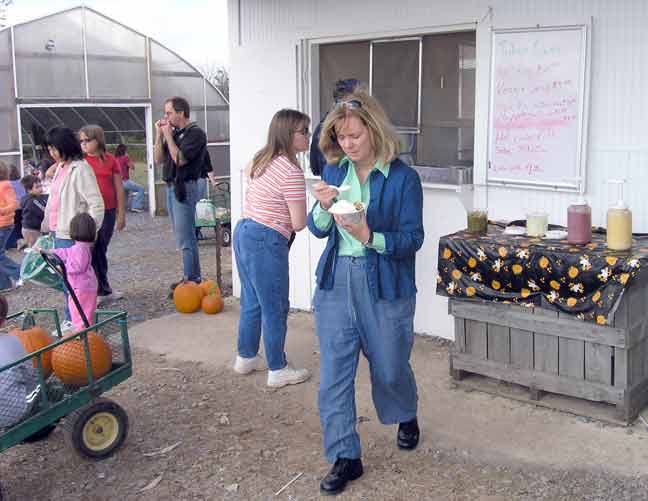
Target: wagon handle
{"type": "Point", "coordinates": [56, 263]}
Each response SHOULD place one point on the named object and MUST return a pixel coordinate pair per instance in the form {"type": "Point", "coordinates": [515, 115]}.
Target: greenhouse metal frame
{"type": "Point", "coordinates": [78, 66]}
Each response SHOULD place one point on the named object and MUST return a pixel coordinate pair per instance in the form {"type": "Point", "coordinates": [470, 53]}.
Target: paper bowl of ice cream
{"type": "Point", "coordinates": [350, 211]}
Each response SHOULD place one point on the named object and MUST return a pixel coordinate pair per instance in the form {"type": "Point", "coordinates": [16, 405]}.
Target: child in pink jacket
{"type": "Point", "coordinates": [78, 265]}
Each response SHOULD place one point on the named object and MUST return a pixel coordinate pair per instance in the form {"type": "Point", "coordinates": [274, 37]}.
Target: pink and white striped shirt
{"type": "Point", "coordinates": [267, 196]}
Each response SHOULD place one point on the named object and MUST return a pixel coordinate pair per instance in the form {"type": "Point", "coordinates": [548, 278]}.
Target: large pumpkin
{"type": "Point", "coordinates": [187, 297]}
{"type": "Point", "coordinates": [33, 340]}
{"type": "Point", "coordinates": [210, 287]}
{"type": "Point", "coordinates": [212, 303]}
{"type": "Point", "coordinates": [69, 363]}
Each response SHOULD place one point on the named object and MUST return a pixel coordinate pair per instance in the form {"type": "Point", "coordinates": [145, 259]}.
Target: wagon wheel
{"type": "Point", "coordinates": [98, 429]}
{"type": "Point", "coordinates": [226, 236]}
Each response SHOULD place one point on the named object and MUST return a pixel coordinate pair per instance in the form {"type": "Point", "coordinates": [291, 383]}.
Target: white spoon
{"type": "Point", "coordinates": [342, 188]}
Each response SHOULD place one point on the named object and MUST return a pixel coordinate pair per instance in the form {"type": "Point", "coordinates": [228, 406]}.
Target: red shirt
{"type": "Point", "coordinates": [123, 162]}
{"type": "Point", "coordinates": [104, 171]}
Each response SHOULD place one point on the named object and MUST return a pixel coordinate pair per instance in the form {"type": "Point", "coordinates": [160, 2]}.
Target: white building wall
{"type": "Point", "coordinates": [264, 34]}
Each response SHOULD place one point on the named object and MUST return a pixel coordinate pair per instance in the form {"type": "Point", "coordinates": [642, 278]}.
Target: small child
{"type": "Point", "coordinates": [33, 208]}
{"type": "Point", "coordinates": [18, 385]}
{"type": "Point", "coordinates": [78, 265]}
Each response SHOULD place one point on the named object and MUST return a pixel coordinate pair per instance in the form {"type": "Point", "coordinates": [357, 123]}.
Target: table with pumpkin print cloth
{"type": "Point", "coordinates": [549, 316]}
{"type": "Point", "coordinates": [586, 281]}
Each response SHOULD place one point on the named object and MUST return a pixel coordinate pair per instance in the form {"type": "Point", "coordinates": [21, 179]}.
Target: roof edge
{"type": "Point", "coordinates": [151, 39]}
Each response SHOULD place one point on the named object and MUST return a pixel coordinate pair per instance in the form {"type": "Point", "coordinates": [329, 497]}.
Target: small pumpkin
{"type": "Point", "coordinates": [209, 286]}
{"type": "Point", "coordinates": [187, 297]}
{"type": "Point", "coordinates": [212, 304]}
{"type": "Point", "coordinates": [69, 362]}
{"type": "Point", "coordinates": [33, 340]}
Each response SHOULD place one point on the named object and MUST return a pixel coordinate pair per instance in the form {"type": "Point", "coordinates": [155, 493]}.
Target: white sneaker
{"type": "Point", "coordinates": [287, 375]}
{"type": "Point", "coordinates": [66, 326]}
{"type": "Point", "coordinates": [113, 296]}
{"type": "Point", "coordinates": [247, 365]}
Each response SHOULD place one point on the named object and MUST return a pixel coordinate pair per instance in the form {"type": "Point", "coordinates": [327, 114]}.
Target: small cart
{"type": "Point", "coordinates": [214, 211]}
{"type": "Point", "coordinates": [95, 427]}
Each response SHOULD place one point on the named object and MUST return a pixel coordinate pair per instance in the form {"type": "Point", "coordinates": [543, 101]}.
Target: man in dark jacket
{"type": "Point", "coordinates": [342, 89]}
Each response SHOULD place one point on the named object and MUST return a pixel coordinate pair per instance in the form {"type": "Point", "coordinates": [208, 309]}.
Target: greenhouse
{"type": "Point", "coordinates": [78, 67]}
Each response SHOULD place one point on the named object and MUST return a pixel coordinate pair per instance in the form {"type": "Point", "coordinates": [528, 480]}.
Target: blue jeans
{"type": "Point", "coordinates": [64, 243]}
{"type": "Point", "coordinates": [139, 194]}
{"type": "Point", "coordinates": [8, 267]}
{"type": "Point", "coordinates": [202, 188]}
{"type": "Point", "coordinates": [100, 251]}
{"type": "Point", "coordinates": [348, 321]}
{"type": "Point", "coordinates": [182, 215]}
{"type": "Point", "coordinates": [262, 261]}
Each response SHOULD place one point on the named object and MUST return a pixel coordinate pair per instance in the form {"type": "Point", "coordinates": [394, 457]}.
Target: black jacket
{"type": "Point", "coordinates": [33, 211]}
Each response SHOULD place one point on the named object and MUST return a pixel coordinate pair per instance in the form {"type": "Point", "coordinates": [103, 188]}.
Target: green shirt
{"type": "Point", "coordinates": [349, 246]}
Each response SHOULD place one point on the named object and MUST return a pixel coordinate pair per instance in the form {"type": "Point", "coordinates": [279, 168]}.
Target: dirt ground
{"type": "Point", "coordinates": [222, 436]}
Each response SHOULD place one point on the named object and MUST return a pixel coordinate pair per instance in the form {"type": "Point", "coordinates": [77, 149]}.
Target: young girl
{"type": "Point", "coordinates": [78, 265]}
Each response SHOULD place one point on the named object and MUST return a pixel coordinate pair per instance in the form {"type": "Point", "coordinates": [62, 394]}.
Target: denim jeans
{"type": "Point", "coordinates": [202, 188]}
{"type": "Point", "coordinates": [349, 321]}
{"type": "Point", "coordinates": [100, 252]}
{"type": "Point", "coordinates": [8, 267]}
{"type": "Point", "coordinates": [262, 261]}
{"type": "Point", "coordinates": [182, 215]}
{"type": "Point", "coordinates": [64, 243]}
{"type": "Point", "coordinates": [139, 194]}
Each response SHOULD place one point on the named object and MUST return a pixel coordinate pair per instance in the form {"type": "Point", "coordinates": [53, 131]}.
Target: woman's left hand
{"type": "Point", "coordinates": [360, 230]}
{"type": "Point", "coordinates": [120, 224]}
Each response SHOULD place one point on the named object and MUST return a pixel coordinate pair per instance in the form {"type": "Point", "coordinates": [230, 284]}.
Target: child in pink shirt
{"type": "Point", "coordinates": [78, 265]}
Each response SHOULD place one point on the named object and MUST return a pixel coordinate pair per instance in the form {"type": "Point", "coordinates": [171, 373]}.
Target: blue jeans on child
{"type": "Point", "coordinates": [183, 215]}
{"type": "Point", "coordinates": [348, 320]}
{"type": "Point", "coordinates": [9, 269]}
{"type": "Point", "coordinates": [262, 262]}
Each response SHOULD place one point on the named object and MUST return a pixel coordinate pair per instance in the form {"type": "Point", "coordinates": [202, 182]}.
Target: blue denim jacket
{"type": "Point", "coordinates": [396, 210]}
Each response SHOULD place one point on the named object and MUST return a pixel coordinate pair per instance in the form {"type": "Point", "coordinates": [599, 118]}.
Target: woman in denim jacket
{"type": "Point", "coordinates": [366, 293]}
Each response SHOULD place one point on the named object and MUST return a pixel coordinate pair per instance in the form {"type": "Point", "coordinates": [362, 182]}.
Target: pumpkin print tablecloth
{"type": "Point", "coordinates": [586, 281]}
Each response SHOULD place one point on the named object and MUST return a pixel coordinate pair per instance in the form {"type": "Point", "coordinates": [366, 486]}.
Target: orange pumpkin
{"type": "Point", "coordinates": [210, 287]}
{"type": "Point", "coordinates": [212, 303]}
{"type": "Point", "coordinates": [69, 363]}
{"type": "Point", "coordinates": [33, 340]}
{"type": "Point", "coordinates": [187, 297]}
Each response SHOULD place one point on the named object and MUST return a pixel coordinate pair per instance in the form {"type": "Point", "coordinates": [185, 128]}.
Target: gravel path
{"type": "Point", "coordinates": [236, 439]}
{"type": "Point", "coordinates": [143, 263]}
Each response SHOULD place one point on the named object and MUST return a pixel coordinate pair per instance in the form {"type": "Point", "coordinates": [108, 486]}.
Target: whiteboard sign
{"type": "Point", "coordinates": [536, 107]}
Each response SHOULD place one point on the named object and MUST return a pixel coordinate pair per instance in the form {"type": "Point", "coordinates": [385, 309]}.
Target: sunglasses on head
{"type": "Point", "coordinates": [351, 104]}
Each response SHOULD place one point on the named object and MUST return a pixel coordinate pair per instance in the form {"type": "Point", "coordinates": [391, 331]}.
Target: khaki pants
{"type": "Point", "coordinates": [30, 236]}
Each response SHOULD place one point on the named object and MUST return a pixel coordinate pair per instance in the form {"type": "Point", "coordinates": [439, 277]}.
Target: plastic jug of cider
{"type": "Point", "coordinates": [579, 222]}
{"type": "Point", "coordinates": [619, 221]}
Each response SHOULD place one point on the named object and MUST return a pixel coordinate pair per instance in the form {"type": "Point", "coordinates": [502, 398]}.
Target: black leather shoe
{"type": "Point", "coordinates": [344, 470]}
{"type": "Point", "coordinates": [408, 435]}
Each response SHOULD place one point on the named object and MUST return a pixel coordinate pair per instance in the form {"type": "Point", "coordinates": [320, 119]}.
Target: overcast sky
{"type": "Point", "coordinates": [195, 29]}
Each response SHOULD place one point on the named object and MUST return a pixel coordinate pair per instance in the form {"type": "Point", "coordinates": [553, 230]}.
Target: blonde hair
{"type": "Point", "coordinates": [95, 132]}
{"type": "Point", "coordinates": [283, 125]}
{"type": "Point", "coordinates": [382, 135]}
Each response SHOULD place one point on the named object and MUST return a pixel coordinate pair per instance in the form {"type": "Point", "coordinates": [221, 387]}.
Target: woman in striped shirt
{"type": "Point", "coordinates": [275, 207]}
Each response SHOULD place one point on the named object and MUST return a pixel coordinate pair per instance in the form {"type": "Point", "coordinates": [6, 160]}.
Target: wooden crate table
{"type": "Point", "coordinates": [553, 317]}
